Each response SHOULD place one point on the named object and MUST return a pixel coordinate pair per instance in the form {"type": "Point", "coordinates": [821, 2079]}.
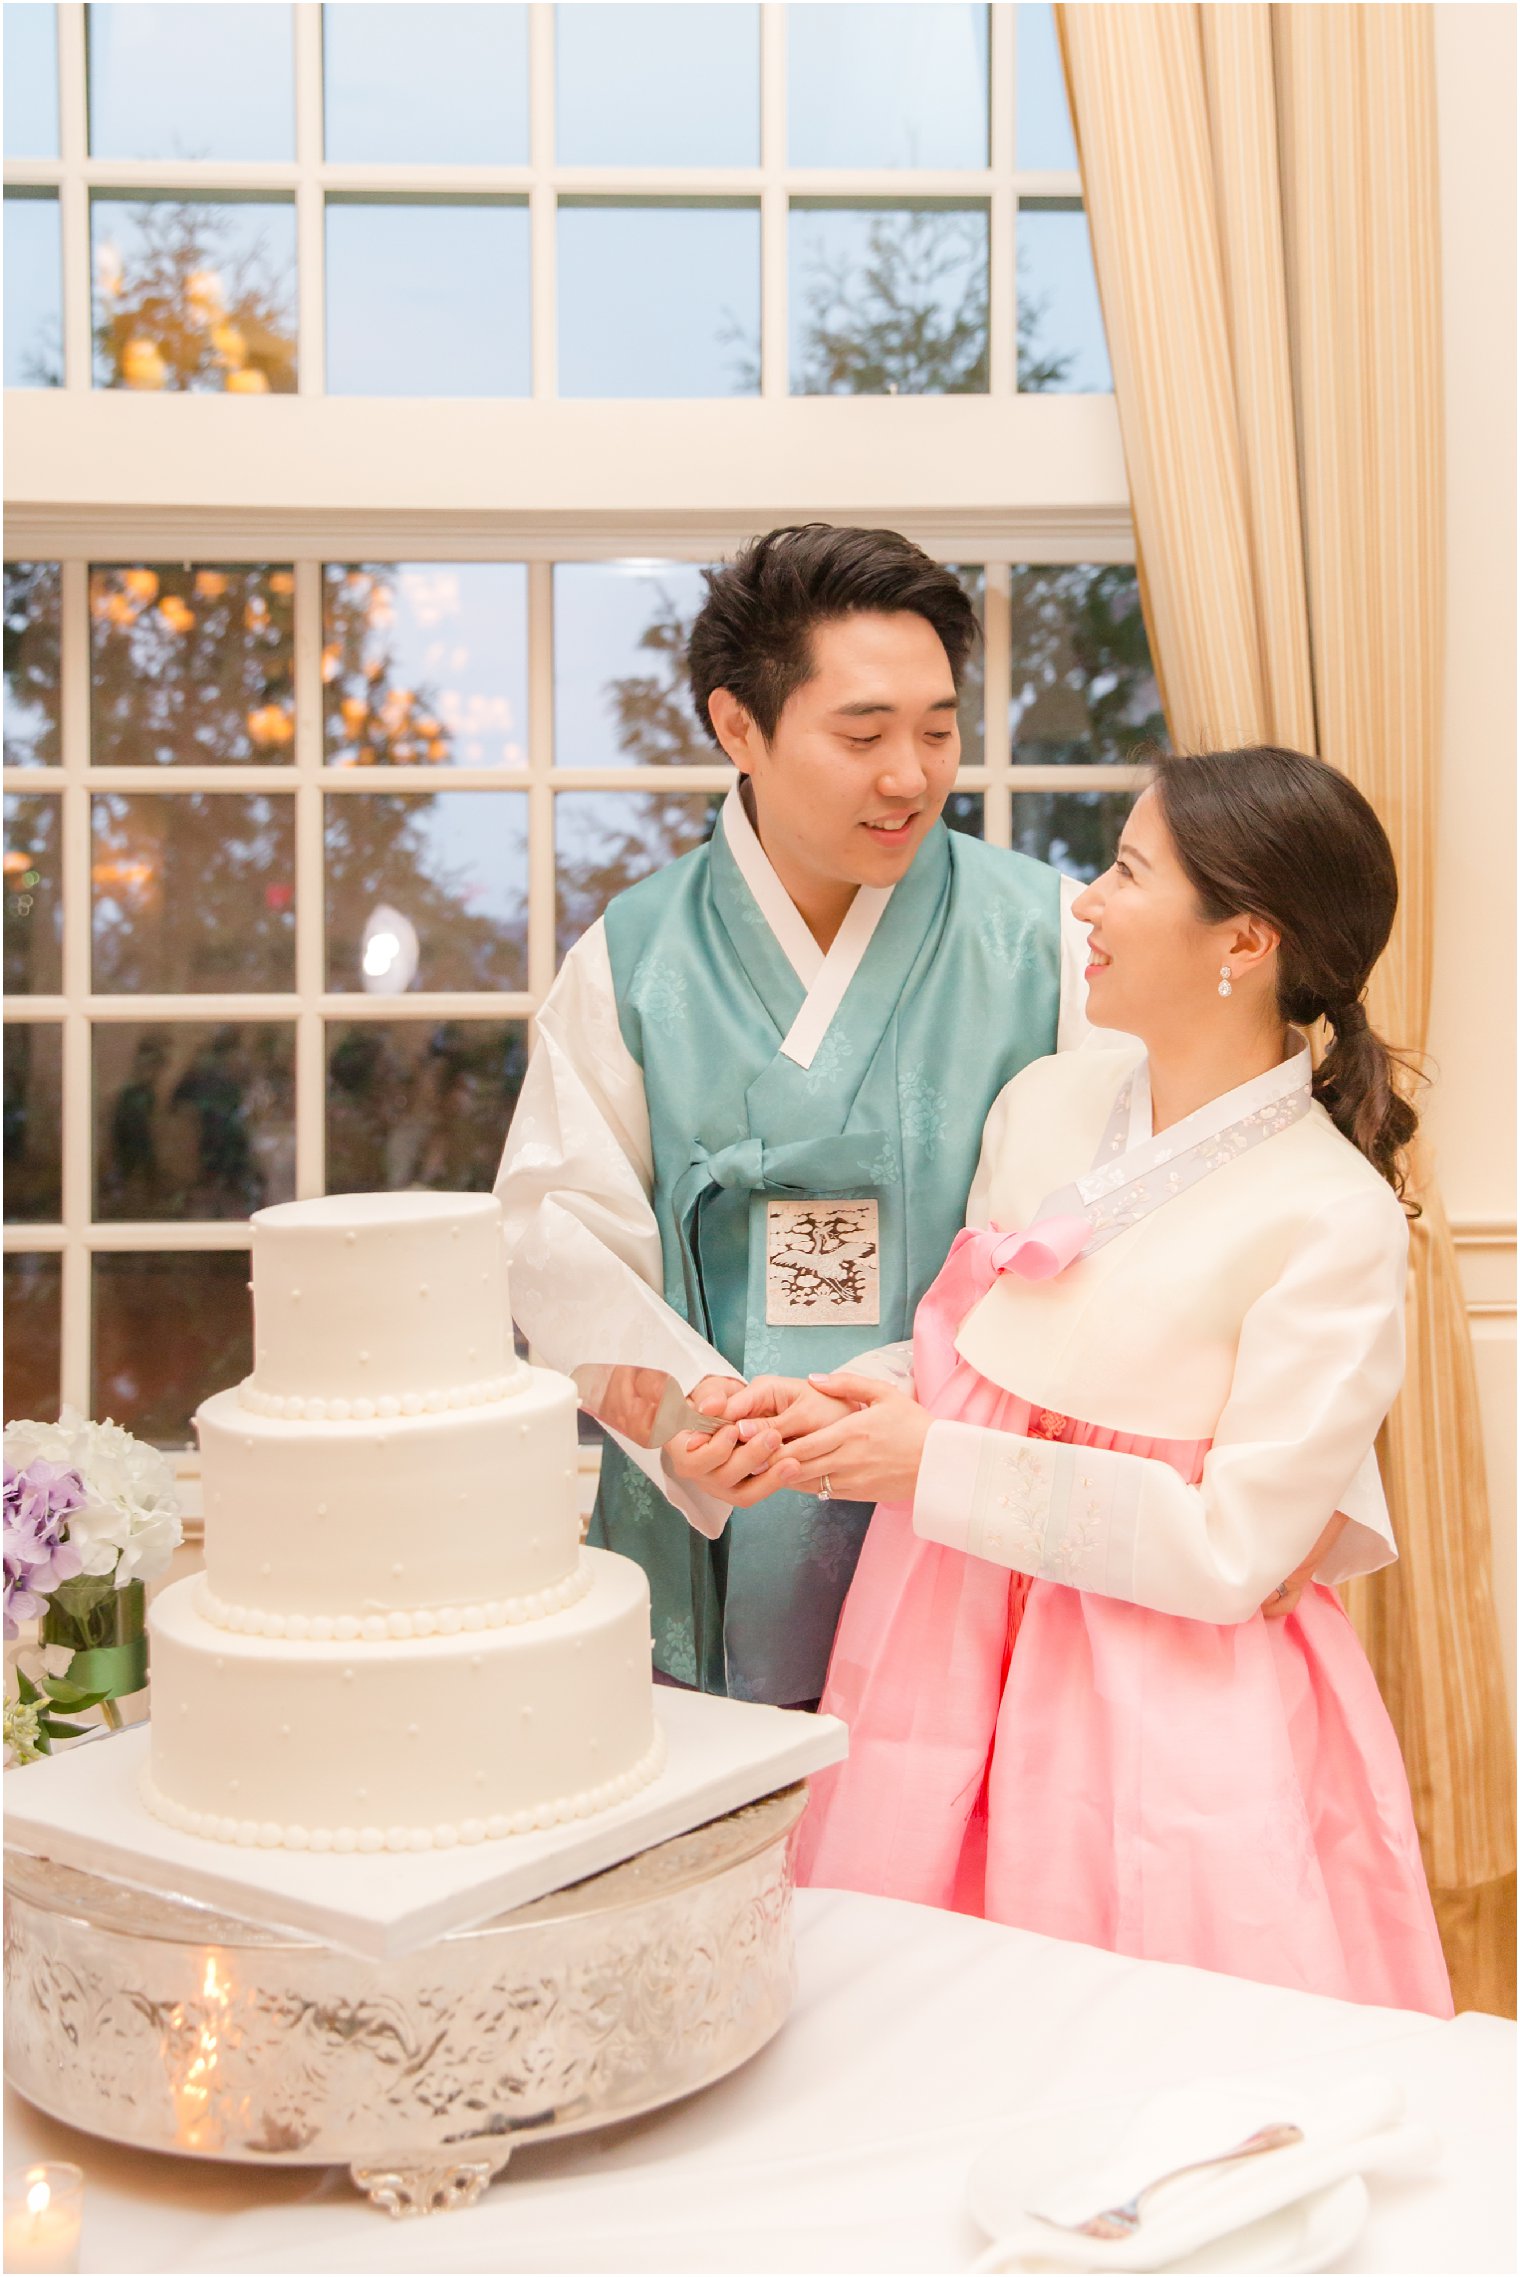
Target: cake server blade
{"type": "Point", "coordinates": [644, 1405]}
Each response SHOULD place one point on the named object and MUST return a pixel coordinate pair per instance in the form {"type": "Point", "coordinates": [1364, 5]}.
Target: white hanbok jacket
{"type": "Point", "coordinates": [1260, 1308]}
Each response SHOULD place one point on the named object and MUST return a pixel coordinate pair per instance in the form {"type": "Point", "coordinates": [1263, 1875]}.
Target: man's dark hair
{"type": "Point", "coordinates": [754, 633]}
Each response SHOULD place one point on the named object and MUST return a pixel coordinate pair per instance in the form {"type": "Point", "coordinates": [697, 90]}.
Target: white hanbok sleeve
{"type": "Point", "coordinates": [886, 1363]}
{"type": "Point", "coordinates": [1320, 1358]}
{"type": "Point", "coordinates": [583, 1246]}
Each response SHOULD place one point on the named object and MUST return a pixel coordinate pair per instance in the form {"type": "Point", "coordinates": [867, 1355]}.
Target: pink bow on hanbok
{"type": "Point", "coordinates": [975, 1262]}
{"type": "Point", "coordinates": [1041, 1251]}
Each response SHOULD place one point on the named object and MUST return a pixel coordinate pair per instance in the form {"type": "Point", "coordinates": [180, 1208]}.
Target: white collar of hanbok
{"type": "Point", "coordinates": [1135, 1173]}
{"type": "Point", "coordinates": [825, 977]}
{"type": "Point", "coordinates": [1129, 1148]}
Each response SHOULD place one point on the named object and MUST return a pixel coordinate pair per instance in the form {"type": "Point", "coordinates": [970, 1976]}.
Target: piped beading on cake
{"type": "Point", "coordinates": [292, 1408]}
{"type": "Point", "coordinates": [416, 1621]}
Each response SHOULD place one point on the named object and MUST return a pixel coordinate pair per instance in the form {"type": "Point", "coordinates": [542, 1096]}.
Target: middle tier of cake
{"type": "Point", "coordinates": [463, 1519]}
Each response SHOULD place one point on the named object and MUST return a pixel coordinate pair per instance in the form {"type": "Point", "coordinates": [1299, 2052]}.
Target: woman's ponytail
{"type": "Point", "coordinates": [1355, 1086]}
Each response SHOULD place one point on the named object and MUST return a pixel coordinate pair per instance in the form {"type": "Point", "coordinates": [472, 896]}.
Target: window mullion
{"type": "Point", "coordinates": [541, 878]}
{"type": "Point", "coordinates": [542, 217]}
{"type": "Point", "coordinates": [311, 1043]}
{"type": "Point", "coordinates": [997, 810]}
{"type": "Point", "coordinates": [78, 1115]}
{"type": "Point", "coordinates": [311, 219]}
{"type": "Point", "coordinates": [1002, 304]}
{"type": "Point", "coordinates": [775, 358]}
{"type": "Point", "coordinates": [74, 196]}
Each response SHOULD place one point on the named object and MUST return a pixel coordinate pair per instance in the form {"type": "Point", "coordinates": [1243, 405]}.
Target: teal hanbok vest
{"type": "Point", "coordinates": [958, 989]}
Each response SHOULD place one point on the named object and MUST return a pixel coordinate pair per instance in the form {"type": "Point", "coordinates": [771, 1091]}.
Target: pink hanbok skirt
{"type": "Point", "coordinates": [1231, 1797]}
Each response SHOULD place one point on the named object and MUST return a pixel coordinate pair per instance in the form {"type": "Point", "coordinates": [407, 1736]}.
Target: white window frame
{"type": "Point", "coordinates": [100, 476]}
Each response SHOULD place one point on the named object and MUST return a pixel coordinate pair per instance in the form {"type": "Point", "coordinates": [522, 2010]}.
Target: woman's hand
{"type": "Point", "coordinates": [796, 1408]}
{"type": "Point", "coordinates": [870, 1454]}
{"type": "Point", "coordinates": [1284, 1600]}
{"type": "Point", "coordinates": [761, 1396]}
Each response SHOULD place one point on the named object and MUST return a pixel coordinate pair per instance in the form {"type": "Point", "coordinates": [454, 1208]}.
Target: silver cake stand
{"type": "Point", "coordinates": [159, 2023]}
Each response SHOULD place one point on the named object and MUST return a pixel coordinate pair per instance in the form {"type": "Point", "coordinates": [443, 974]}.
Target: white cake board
{"type": "Point", "coordinates": [83, 1809]}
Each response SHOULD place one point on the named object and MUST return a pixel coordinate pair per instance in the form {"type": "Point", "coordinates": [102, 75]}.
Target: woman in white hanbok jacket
{"type": "Point", "coordinates": [1137, 1395]}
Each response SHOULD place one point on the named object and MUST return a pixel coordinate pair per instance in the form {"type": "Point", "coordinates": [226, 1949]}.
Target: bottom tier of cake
{"type": "Point", "coordinates": [406, 1744]}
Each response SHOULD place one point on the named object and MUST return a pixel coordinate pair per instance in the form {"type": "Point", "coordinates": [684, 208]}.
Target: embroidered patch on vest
{"type": "Point", "coordinates": [822, 1265]}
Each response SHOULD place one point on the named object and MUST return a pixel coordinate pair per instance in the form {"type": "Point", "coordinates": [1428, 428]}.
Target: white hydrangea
{"type": "Point", "coordinates": [131, 1520]}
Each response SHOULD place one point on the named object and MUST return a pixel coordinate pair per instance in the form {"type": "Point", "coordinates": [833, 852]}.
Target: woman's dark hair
{"type": "Point", "coordinates": [1280, 836]}
{"type": "Point", "coordinates": [754, 633]}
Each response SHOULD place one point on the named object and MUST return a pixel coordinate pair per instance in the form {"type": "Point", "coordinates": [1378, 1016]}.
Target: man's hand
{"type": "Point", "coordinates": [723, 1465]}
{"type": "Point", "coordinates": [716, 1395]}
{"type": "Point", "coordinates": [1284, 1600]}
{"type": "Point", "coordinates": [870, 1454]}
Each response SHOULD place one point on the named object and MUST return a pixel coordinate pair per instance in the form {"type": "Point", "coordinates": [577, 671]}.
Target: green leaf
{"type": "Point", "coordinates": [25, 1688]}
{"type": "Point", "coordinates": [71, 1697]}
{"type": "Point", "coordinates": [55, 1730]}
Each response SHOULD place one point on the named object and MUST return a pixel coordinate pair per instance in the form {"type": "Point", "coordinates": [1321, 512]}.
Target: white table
{"type": "Point", "coordinates": [845, 2144]}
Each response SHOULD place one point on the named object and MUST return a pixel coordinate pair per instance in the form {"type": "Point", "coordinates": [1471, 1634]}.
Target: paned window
{"type": "Point", "coordinates": [301, 810]}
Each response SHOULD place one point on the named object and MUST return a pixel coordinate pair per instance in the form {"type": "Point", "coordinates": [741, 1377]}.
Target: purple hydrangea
{"type": "Point", "coordinates": [38, 1553]}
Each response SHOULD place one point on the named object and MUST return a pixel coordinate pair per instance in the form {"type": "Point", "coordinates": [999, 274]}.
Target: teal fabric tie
{"type": "Point", "coordinates": [845, 1166]}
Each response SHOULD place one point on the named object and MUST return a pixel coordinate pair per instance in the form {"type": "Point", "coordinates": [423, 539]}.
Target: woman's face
{"type": "Point", "coordinates": [1152, 961]}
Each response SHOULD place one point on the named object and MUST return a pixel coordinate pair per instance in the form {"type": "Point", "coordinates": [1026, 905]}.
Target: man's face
{"type": "Point", "coordinates": [864, 754]}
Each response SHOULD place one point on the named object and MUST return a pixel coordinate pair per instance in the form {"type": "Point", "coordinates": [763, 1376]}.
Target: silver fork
{"type": "Point", "coordinates": [1123, 2221]}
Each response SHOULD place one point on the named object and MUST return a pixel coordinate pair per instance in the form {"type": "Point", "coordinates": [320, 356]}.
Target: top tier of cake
{"type": "Point", "coordinates": [379, 1304]}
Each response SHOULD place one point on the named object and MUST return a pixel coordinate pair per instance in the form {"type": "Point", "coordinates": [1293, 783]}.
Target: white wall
{"type": "Point", "coordinates": [1472, 1035]}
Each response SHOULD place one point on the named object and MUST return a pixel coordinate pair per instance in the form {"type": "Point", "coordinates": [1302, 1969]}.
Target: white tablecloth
{"type": "Point", "coordinates": [845, 2145]}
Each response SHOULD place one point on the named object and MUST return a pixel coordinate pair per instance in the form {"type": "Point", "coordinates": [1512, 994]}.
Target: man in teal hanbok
{"type": "Point", "coordinates": [751, 1121]}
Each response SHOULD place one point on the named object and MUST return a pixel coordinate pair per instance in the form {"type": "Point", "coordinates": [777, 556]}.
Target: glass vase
{"type": "Point", "coordinates": [106, 1629]}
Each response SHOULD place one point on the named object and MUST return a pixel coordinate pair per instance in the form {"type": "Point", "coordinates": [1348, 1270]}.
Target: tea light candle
{"type": "Point", "coordinates": [44, 2207]}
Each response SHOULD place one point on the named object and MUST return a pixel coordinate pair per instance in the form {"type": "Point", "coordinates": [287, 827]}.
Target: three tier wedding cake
{"type": "Point", "coordinates": [398, 1641]}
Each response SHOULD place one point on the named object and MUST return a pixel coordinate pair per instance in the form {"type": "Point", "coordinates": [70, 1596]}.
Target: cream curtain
{"type": "Point", "coordinates": [1261, 185]}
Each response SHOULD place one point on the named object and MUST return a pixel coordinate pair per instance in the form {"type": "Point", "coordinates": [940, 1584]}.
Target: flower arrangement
{"type": "Point", "coordinates": [91, 1514]}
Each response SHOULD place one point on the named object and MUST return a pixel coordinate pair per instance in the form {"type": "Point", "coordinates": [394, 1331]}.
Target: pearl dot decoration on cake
{"type": "Point", "coordinates": [312, 1407]}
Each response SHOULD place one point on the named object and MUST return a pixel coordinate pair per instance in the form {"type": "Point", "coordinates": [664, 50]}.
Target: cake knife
{"type": "Point", "coordinates": [644, 1405]}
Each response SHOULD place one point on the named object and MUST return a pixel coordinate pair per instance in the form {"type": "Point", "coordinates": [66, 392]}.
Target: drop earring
{"type": "Point", "coordinates": [1224, 981]}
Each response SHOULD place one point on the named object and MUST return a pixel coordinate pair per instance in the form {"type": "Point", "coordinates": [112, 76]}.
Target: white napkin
{"type": "Point", "coordinates": [1349, 2126]}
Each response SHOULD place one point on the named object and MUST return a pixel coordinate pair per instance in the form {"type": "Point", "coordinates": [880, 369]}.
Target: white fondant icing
{"type": "Point", "coordinates": [303, 1695]}
{"type": "Point", "coordinates": [441, 1835]}
{"type": "Point", "coordinates": [349, 1718]}
{"type": "Point", "coordinates": [330, 1279]}
{"type": "Point", "coordinates": [333, 1511]}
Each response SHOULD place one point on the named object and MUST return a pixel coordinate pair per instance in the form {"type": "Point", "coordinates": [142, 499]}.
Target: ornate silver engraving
{"type": "Point", "coordinates": [156, 2022]}
{"type": "Point", "coordinates": [427, 2189]}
